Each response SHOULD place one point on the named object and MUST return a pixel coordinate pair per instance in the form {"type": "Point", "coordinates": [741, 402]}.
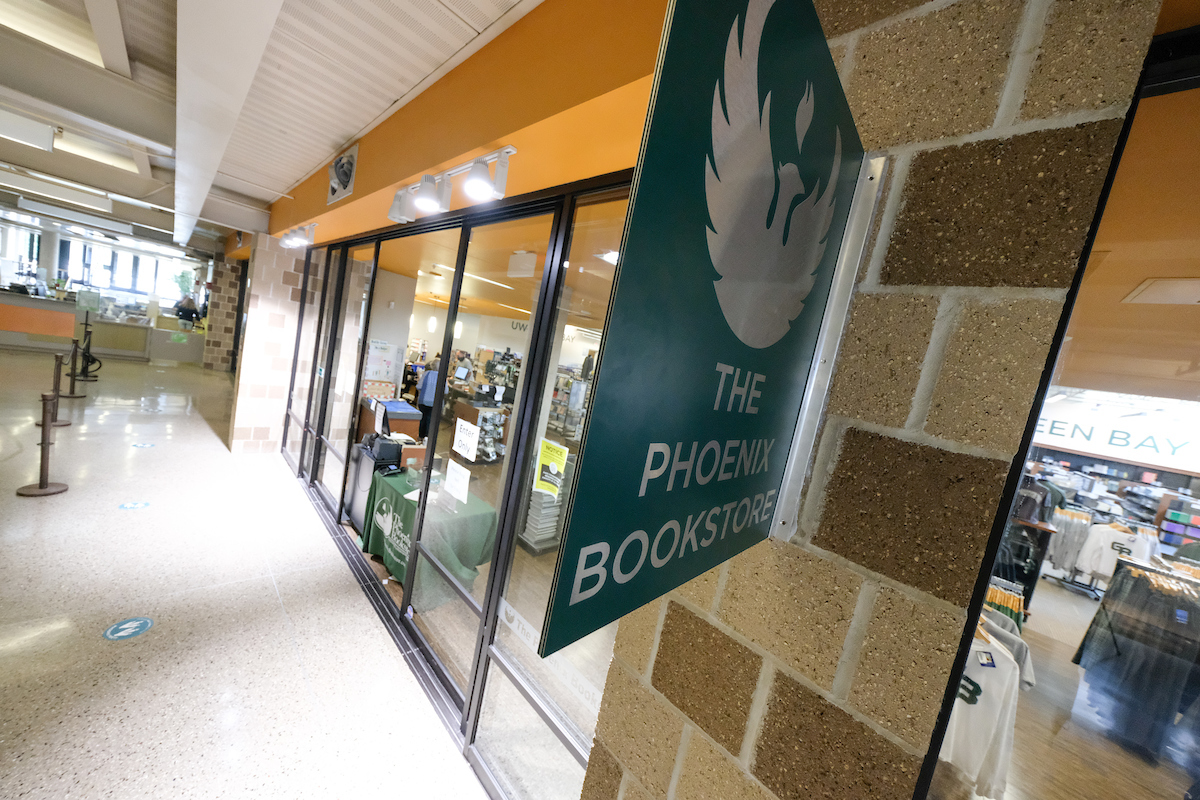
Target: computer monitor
{"type": "Point", "coordinates": [461, 373]}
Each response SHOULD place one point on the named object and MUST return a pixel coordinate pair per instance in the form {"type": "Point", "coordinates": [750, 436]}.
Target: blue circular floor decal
{"type": "Point", "coordinates": [129, 628]}
{"type": "Point", "coordinates": [133, 506]}
{"type": "Point", "coordinates": [143, 444]}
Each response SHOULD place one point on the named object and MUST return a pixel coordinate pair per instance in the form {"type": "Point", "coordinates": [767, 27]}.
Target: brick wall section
{"type": "Point", "coordinates": [222, 315]}
{"type": "Point", "coordinates": [265, 363]}
{"type": "Point", "coordinates": [814, 665]}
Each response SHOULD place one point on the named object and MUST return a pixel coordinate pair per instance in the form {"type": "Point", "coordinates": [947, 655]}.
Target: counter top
{"type": "Point", "coordinates": [29, 301]}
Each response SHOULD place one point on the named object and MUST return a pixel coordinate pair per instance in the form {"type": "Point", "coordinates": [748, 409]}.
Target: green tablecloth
{"type": "Point", "coordinates": [461, 540]}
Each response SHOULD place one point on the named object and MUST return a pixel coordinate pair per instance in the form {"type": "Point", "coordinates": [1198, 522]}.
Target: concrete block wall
{"type": "Point", "coordinates": [264, 367]}
{"type": "Point", "coordinates": [222, 315]}
{"type": "Point", "coordinates": [815, 667]}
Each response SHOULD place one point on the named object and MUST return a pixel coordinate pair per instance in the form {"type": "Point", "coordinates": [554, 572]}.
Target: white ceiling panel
{"type": "Point", "coordinates": [73, 7]}
{"type": "Point", "coordinates": [331, 68]}
{"type": "Point", "coordinates": [149, 32]}
{"type": "Point", "coordinates": [480, 13]}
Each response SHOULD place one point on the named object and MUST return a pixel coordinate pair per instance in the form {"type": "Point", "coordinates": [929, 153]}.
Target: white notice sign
{"type": "Point", "coordinates": [466, 439]}
{"type": "Point", "coordinates": [458, 478]}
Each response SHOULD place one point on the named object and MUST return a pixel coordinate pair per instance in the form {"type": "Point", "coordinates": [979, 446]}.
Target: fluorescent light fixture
{"type": "Point", "coordinates": [489, 280]}
{"type": "Point", "coordinates": [23, 130]}
{"type": "Point", "coordinates": [47, 210]}
{"type": "Point", "coordinates": [478, 184]}
{"type": "Point", "coordinates": [514, 308]}
{"type": "Point", "coordinates": [611, 256]}
{"type": "Point", "coordinates": [426, 197]}
{"type": "Point", "coordinates": [432, 324]}
{"type": "Point", "coordinates": [23, 183]}
{"type": "Point", "coordinates": [1057, 397]}
{"type": "Point", "coordinates": [458, 330]}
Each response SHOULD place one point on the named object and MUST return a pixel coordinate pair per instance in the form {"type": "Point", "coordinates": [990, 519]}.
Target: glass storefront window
{"type": "Point", "coordinates": [572, 679]}
{"type": "Point", "coordinates": [145, 274]}
{"type": "Point", "coordinates": [520, 749]}
{"type": "Point", "coordinates": [101, 263]}
{"type": "Point", "coordinates": [123, 271]}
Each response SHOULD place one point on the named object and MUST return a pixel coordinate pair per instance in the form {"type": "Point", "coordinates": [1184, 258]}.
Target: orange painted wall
{"type": "Point", "coordinates": [1177, 15]}
{"type": "Point", "coordinates": [44, 322]}
{"type": "Point", "coordinates": [563, 55]}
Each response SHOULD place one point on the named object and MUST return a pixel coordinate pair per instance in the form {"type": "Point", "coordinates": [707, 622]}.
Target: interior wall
{"type": "Point", "coordinates": [814, 666]}
{"type": "Point", "coordinates": [391, 324]}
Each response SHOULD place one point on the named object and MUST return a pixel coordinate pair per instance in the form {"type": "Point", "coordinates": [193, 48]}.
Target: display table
{"type": "Point", "coordinates": [402, 418]}
{"type": "Point", "coordinates": [461, 540]}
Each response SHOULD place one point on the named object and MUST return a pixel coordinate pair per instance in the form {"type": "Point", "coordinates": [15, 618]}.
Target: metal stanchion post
{"type": "Point", "coordinates": [72, 394]}
{"type": "Point", "coordinates": [54, 420]}
{"type": "Point", "coordinates": [44, 487]}
{"type": "Point", "coordinates": [87, 350]}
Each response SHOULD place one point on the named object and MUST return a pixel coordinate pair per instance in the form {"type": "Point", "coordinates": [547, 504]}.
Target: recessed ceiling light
{"type": "Point", "coordinates": [514, 308]}
{"type": "Point", "coordinates": [611, 256]}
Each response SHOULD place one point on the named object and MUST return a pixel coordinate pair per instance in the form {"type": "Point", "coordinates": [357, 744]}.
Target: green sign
{"type": "Point", "coordinates": [179, 338]}
{"type": "Point", "coordinates": [87, 301]}
{"type": "Point", "coordinates": [740, 202]}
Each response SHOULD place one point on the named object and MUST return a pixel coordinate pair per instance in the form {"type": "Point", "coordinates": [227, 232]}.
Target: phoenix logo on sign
{"type": "Point", "coordinates": [765, 279]}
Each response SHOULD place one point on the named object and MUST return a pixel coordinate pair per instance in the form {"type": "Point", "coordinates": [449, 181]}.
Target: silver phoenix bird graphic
{"type": "Point", "coordinates": [765, 246]}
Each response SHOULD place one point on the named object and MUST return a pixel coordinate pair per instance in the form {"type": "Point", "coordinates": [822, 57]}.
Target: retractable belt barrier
{"type": "Point", "coordinates": [72, 394]}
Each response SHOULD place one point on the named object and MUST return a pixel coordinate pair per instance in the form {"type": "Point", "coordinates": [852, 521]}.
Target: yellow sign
{"type": "Point", "coordinates": [552, 465]}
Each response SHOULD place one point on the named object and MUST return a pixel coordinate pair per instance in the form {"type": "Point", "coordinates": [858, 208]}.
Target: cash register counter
{"type": "Point", "coordinates": [35, 322]}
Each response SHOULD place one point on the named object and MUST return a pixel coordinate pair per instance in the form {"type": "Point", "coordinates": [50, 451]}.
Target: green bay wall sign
{"type": "Point", "coordinates": [743, 187]}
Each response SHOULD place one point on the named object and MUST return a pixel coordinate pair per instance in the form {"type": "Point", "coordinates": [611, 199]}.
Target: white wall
{"type": "Point", "coordinates": [391, 324]}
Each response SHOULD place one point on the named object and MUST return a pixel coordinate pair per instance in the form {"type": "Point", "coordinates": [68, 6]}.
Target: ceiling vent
{"type": "Point", "coordinates": [1167, 291]}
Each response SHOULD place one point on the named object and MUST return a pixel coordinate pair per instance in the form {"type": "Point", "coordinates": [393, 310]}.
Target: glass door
{"type": "Point", "coordinates": [536, 717]}
{"type": "Point", "coordinates": [323, 351]}
{"type": "Point", "coordinates": [303, 369]}
{"type": "Point", "coordinates": [482, 363]}
{"type": "Point", "coordinates": [339, 409]}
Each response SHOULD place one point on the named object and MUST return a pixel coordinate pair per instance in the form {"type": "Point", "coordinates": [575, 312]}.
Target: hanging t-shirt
{"type": "Point", "coordinates": [1105, 544]}
{"type": "Point", "coordinates": [979, 739]}
{"type": "Point", "coordinates": [1016, 646]}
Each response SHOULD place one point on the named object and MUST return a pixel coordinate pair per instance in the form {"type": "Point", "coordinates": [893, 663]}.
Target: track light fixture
{"type": "Point", "coordinates": [302, 236]}
{"type": "Point", "coordinates": [427, 197]}
{"type": "Point", "coordinates": [432, 193]}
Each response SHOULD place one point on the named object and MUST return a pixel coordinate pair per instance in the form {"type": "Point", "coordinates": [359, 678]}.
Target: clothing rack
{"type": "Point", "coordinates": [1007, 598]}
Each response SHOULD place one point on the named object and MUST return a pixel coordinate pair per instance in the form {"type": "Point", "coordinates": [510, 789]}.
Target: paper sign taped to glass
{"type": "Point", "coordinates": [743, 189]}
{"type": "Point", "coordinates": [552, 465]}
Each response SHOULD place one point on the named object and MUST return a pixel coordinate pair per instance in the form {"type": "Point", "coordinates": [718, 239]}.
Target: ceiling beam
{"type": "Point", "coordinates": [215, 65]}
{"type": "Point", "coordinates": [36, 76]}
{"type": "Point", "coordinates": [231, 213]}
{"type": "Point", "coordinates": [110, 36]}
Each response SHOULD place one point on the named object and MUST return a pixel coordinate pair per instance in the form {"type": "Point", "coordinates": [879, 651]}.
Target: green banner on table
{"type": "Point", "coordinates": [390, 522]}
{"type": "Point", "coordinates": [740, 202]}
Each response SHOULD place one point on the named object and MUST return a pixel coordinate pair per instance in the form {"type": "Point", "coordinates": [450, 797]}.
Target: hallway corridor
{"type": "Point", "coordinates": [266, 672]}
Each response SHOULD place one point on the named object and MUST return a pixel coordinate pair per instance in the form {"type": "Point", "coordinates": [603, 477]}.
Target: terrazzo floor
{"type": "Point", "coordinates": [266, 672]}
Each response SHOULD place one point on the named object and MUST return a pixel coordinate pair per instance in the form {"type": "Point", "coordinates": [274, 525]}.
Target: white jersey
{"type": "Point", "coordinates": [979, 739]}
{"type": "Point", "coordinates": [1105, 544]}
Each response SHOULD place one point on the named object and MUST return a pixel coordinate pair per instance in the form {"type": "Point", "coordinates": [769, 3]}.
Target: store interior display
{"type": "Point", "coordinates": [1113, 623]}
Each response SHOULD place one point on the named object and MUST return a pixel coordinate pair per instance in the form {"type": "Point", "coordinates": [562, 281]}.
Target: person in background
{"type": "Point", "coordinates": [186, 310]}
{"type": "Point", "coordinates": [426, 391]}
